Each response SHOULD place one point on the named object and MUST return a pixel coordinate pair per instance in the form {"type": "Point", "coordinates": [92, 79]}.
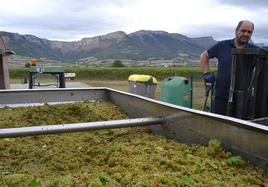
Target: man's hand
{"type": "Point", "coordinates": [209, 77]}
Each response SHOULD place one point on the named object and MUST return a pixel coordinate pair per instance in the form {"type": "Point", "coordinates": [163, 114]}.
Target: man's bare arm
{"type": "Point", "coordinates": [204, 60]}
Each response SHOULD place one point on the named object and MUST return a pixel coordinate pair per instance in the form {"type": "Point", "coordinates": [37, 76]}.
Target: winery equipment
{"type": "Point", "coordinates": [248, 97]}
{"type": "Point", "coordinates": [180, 123]}
{"type": "Point", "coordinates": [56, 71]}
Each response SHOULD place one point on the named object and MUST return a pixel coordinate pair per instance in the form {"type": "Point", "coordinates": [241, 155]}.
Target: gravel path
{"type": "Point", "coordinates": [68, 85]}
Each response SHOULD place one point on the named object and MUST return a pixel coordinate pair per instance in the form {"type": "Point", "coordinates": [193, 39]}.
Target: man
{"type": "Point", "coordinates": [222, 51]}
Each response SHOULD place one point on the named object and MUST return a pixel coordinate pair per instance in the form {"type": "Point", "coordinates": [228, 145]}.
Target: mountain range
{"type": "Point", "coordinates": [140, 45]}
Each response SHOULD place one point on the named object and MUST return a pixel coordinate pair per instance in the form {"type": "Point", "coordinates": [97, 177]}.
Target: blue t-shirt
{"type": "Point", "coordinates": [223, 52]}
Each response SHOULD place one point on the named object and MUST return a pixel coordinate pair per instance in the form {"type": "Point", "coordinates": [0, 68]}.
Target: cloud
{"type": "Point", "coordinates": [59, 19]}
{"type": "Point", "coordinates": [260, 34]}
{"type": "Point", "coordinates": [248, 4]}
{"type": "Point", "coordinates": [72, 20]}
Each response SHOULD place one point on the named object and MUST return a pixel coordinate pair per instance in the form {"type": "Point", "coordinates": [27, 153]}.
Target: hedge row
{"type": "Point", "coordinates": [120, 73]}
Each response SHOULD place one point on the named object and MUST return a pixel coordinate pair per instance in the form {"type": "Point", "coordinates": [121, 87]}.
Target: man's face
{"type": "Point", "coordinates": [244, 32]}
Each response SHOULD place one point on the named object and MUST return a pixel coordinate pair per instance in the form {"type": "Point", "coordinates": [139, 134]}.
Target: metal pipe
{"type": "Point", "coordinates": [77, 127]}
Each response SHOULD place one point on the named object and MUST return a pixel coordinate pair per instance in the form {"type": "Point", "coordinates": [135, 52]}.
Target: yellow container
{"type": "Point", "coordinates": [142, 78]}
{"type": "Point", "coordinates": [143, 85]}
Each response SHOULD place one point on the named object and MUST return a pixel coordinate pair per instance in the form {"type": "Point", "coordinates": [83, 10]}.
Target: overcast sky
{"type": "Point", "coordinates": [72, 20]}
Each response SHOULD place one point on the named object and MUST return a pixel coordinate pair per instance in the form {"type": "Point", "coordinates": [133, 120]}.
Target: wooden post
{"type": "Point", "coordinates": [4, 74]}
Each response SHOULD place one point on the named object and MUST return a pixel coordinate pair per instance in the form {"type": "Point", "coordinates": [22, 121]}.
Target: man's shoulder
{"type": "Point", "coordinates": [229, 41]}
{"type": "Point", "coordinates": [222, 47]}
{"type": "Point", "coordinates": [252, 45]}
{"type": "Point", "coordinates": [224, 43]}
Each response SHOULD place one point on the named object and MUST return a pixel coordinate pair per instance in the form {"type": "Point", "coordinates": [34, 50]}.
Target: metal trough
{"type": "Point", "coordinates": [245, 138]}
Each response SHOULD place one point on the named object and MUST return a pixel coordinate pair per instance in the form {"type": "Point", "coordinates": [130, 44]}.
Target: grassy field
{"type": "Point", "coordinates": [198, 89]}
{"type": "Point", "coordinates": [116, 78]}
{"type": "Point", "coordinates": [122, 85]}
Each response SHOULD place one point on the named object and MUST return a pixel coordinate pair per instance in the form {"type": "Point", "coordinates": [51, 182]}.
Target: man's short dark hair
{"type": "Point", "coordinates": [241, 22]}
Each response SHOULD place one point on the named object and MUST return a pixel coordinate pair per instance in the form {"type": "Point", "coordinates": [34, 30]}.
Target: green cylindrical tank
{"type": "Point", "coordinates": [177, 90]}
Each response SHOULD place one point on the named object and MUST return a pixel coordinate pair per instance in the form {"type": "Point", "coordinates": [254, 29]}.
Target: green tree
{"type": "Point", "coordinates": [27, 65]}
{"type": "Point", "coordinates": [117, 63]}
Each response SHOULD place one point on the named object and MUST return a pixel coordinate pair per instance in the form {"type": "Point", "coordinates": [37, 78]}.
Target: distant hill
{"type": "Point", "coordinates": [140, 45]}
